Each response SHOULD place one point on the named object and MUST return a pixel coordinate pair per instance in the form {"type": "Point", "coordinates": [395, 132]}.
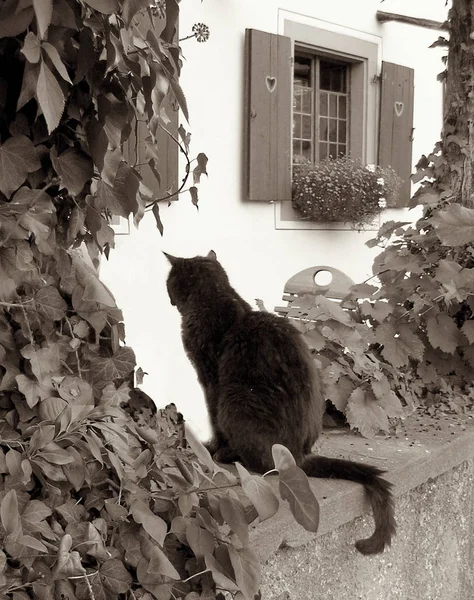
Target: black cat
{"type": "Point", "coordinates": [261, 385]}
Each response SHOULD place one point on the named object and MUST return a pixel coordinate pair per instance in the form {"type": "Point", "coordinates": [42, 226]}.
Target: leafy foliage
{"type": "Point", "coordinates": [342, 189]}
{"type": "Point", "coordinates": [101, 496]}
{"type": "Point", "coordinates": [407, 340]}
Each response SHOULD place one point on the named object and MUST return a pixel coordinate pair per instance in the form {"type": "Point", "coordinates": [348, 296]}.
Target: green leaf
{"type": "Point", "coordinates": [9, 513]}
{"type": "Point", "coordinates": [294, 487]}
{"type": "Point", "coordinates": [468, 330]}
{"type": "Point", "coordinates": [74, 168]}
{"type": "Point", "coordinates": [115, 397]}
{"type": "Point", "coordinates": [130, 9]}
{"type": "Point", "coordinates": [153, 582]}
{"type": "Point", "coordinates": [76, 391]}
{"type": "Point", "coordinates": [365, 413]}
{"type": "Point", "coordinates": [32, 390]}
{"type": "Point", "coordinates": [194, 195]}
{"type": "Point", "coordinates": [282, 457]}
{"type": "Point", "coordinates": [247, 571]}
{"type": "Point", "coordinates": [35, 512]}
{"type": "Point", "coordinates": [18, 157]}
{"type": "Point", "coordinates": [200, 540]}
{"type": "Point", "coordinates": [31, 48]}
{"type": "Point", "coordinates": [44, 12]}
{"type": "Point", "coordinates": [234, 514]}
{"type": "Point", "coordinates": [324, 309]}
{"type": "Point", "coordinates": [160, 563]}
{"type": "Point", "coordinates": [387, 398]}
{"type": "Point", "coordinates": [260, 492]}
{"type": "Point", "coordinates": [454, 225]}
{"type": "Point", "coordinates": [50, 97]}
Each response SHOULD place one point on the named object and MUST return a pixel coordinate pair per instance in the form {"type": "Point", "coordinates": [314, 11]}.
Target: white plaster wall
{"type": "Point", "coordinates": [258, 258]}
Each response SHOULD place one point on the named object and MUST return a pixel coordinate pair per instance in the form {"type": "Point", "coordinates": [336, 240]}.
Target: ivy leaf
{"type": "Point", "coordinates": [44, 12]}
{"type": "Point", "coordinates": [56, 60]}
{"type": "Point", "coordinates": [282, 457]}
{"type": "Point", "coordinates": [294, 487]}
{"type": "Point", "coordinates": [194, 195]}
{"type": "Point", "coordinates": [31, 48]}
{"type": "Point", "coordinates": [130, 9]}
{"type": "Point", "coordinates": [156, 213]}
{"type": "Point", "coordinates": [107, 7]}
{"type": "Point", "coordinates": [12, 23]}
{"type": "Point", "coordinates": [200, 169]}
{"type": "Point", "coordinates": [153, 582]}
{"type": "Point", "coordinates": [199, 449]}
{"type": "Point", "coordinates": [399, 346]}
{"type": "Point", "coordinates": [117, 366]}
{"type": "Point", "coordinates": [234, 514]}
{"type": "Point", "coordinates": [259, 492]}
{"type": "Point", "coordinates": [443, 333]}
{"type": "Point", "coordinates": [18, 157]}
{"type": "Point", "coordinates": [454, 225]}
{"type": "Point", "coordinates": [50, 97]}
{"type": "Point", "coordinates": [247, 571]}
{"type": "Point", "coordinates": [160, 563]}
{"type": "Point", "coordinates": [115, 577]}
{"type": "Point", "coordinates": [111, 396]}
{"type": "Point", "coordinates": [32, 390]}
{"type": "Point", "coordinates": [9, 513]}
{"type": "Point", "coordinates": [152, 524]}
{"type": "Point", "coordinates": [365, 413]}
{"type": "Point", "coordinates": [50, 303]}
{"type": "Point", "coordinates": [31, 542]}
{"type": "Point", "coordinates": [468, 330]}
{"type": "Point", "coordinates": [200, 540]}
{"type": "Point", "coordinates": [220, 579]}
{"type": "Point", "coordinates": [74, 168]}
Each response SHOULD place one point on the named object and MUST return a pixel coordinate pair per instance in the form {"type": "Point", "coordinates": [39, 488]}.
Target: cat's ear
{"type": "Point", "coordinates": [212, 255]}
{"type": "Point", "coordinates": [173, 260]}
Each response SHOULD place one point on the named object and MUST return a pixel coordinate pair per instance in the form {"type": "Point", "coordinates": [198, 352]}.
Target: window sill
{"type": "Point", "coordinates": [424, 448]}
{"type": "Point", "coordinates": [286, 217]}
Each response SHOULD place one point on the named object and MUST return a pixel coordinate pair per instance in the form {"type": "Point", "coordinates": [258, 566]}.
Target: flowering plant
{"type": "Point", "coordinates": [342, 189]}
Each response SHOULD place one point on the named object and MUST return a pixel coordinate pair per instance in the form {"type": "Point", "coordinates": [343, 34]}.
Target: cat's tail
{"type": "Point", "coordinates": [377, 489]}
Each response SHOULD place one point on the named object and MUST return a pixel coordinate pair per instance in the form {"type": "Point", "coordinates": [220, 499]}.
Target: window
{"type": "Point", "coordinates": [320, 107]}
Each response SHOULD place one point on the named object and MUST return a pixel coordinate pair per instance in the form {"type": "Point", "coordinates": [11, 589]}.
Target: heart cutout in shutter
{"type": "Point", "coordinates": [271, 83]}
{"type": "Point", "coordinates": [399, 106]}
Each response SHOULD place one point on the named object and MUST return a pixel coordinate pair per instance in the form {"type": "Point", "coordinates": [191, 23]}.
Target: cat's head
{"type": "Point", "coordinates": [193, 277]}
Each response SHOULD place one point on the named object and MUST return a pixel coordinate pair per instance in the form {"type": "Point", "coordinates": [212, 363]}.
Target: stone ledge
{"type": "Point", "coordinates": [424, 448]}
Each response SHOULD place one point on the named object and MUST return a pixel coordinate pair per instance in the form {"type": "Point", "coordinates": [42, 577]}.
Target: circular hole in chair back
{"type": "Point", "coordinates": [322, 278]}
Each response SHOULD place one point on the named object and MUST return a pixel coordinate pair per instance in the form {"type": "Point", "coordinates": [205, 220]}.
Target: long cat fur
{"type": "Point", "coordinates": [261, 385]}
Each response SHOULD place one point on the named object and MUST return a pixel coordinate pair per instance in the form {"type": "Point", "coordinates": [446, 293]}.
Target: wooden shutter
{"type": "Point", "coordinates": [268, 97]}
{"type": "Point", "coordinates": [136, 153]}
{"type": "Point", "coordinates": [396, 124]}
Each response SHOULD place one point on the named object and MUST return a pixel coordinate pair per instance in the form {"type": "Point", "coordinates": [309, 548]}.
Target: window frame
{"type": "Point", "coordinates": [363, 53]}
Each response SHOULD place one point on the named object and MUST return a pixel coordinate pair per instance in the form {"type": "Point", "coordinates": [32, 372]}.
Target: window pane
{"type": "Point", "coordinates": [302, 71]}
{"type": "Point", "coordinates": [306, 149]}
{"type": "Point", "coordinates": [307, 135]}
{"type": "Point", "coordinates": [324, 76]}
{"type": "Point", "coordinates": [296, 126]}
{"type": "Point", "coordinates": [342, 107]}
{"type": "Point", "coordinates": [323, 103]}
{"type": "Point", "coordinates": [342, 132]}
{"type": "Point", "coordinates": [332, 76]}
{"type": "Point", "coordinates": [297, 98]}
{"type": "Point", "coordinates": [306, 102]}
{"type": "Point", "coordinates": [342, 150]}
{"type": "Point", "coordinates": [323, 151]}
{"type": "Point", "coordinates": [332, 130]}
{"type": "Point", "coordinates": [296, 148]}
{"type": "Point", "coordinates": [332, 105]}
{"type": "Point", "coordinates": [323, 129]}
{"type": "Point", "coordinates": [333, 150]}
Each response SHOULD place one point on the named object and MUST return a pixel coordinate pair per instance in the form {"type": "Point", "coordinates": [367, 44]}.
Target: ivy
{"type": "Point", "coordinates": [102, 497]}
